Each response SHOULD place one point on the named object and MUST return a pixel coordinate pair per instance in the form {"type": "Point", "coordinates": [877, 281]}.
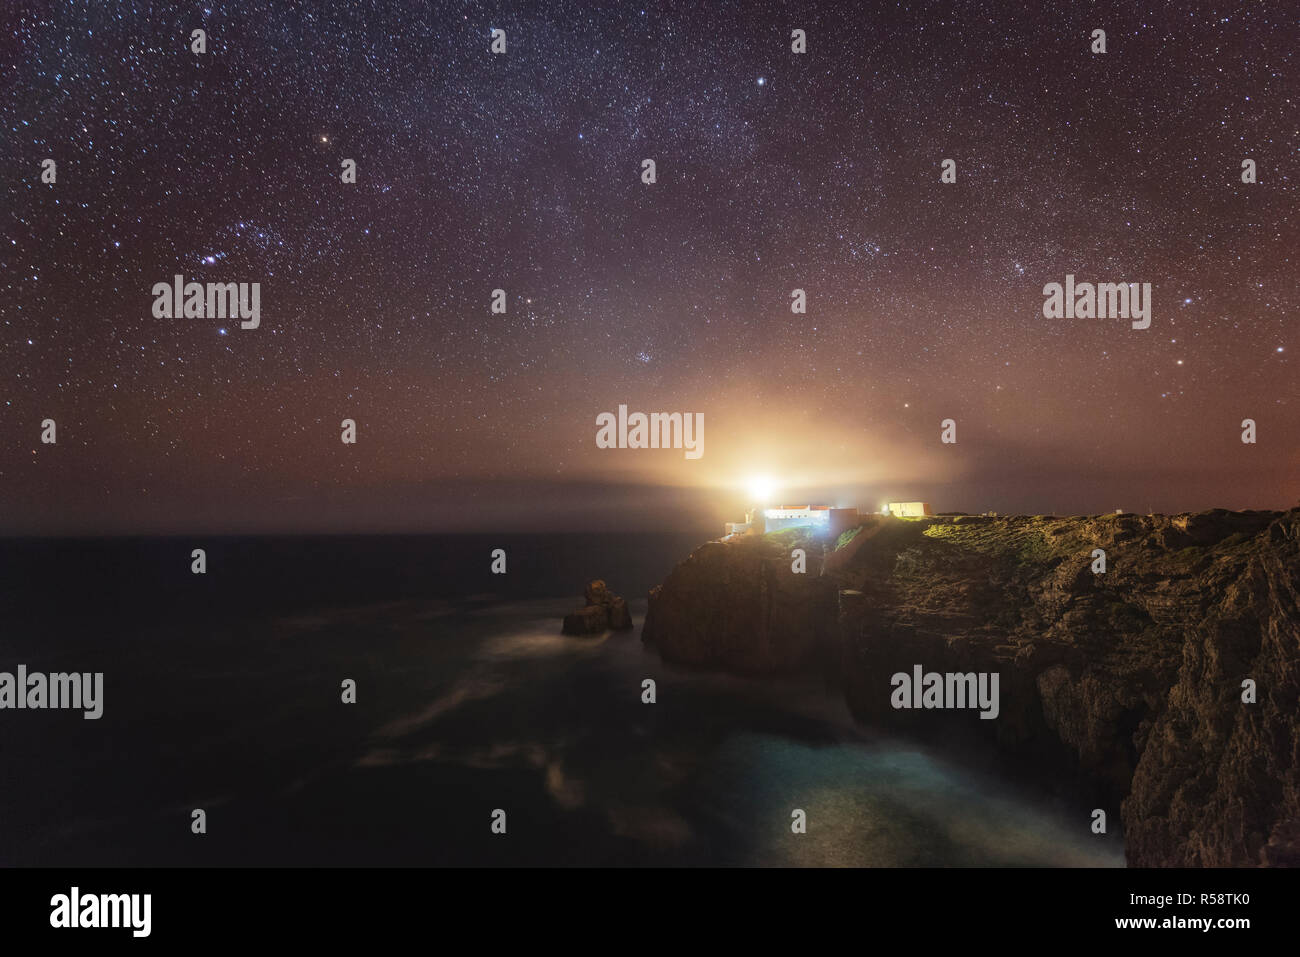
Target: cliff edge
{"type": "Point", "coordinates": [1138, 677]}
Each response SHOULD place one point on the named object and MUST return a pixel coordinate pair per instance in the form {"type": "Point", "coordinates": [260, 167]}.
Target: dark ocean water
{"type": "Point", "coordinates": [222, 692]}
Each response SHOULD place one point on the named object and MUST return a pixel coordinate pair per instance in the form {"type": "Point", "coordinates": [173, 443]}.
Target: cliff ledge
{"type": "Point", "coordinates": [1133, 677]}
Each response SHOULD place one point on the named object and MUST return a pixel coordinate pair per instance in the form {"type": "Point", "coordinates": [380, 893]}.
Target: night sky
{"type": "Point", "coordinates": [522, 171]}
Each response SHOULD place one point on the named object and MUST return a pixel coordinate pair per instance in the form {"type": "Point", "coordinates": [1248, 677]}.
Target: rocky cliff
{"type": "Point", "coordinates": [604, 611]}
{"type": "Point", "coordinates": [740, 606]}
{"type": "Point", "coordinates": [1131, 679]}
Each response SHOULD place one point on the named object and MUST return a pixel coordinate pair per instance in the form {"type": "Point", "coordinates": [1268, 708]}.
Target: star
{"type": "Point", "coordinates": [522, 170]}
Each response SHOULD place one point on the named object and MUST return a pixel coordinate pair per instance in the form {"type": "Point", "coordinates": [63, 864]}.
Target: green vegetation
{"type": "Point", "coordinates": [1034, 548]}
{"type": "Point", "coordinates": [789, 537]}
{"type": "Point", "coordinates": [1020, 542]}
{"type": "Point", "coordinates": [987, 539]}
{"type": "Point", "coordinates": [847, 536]}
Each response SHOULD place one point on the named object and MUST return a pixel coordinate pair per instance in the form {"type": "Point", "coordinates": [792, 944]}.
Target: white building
{"type": "Point", "coordinates": [820, 518]}
{"type": "Point", "coordinates": [907, 509]}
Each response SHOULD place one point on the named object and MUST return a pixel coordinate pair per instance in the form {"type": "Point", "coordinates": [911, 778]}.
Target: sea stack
{"type": "Point", "coordinates": [604, 611]}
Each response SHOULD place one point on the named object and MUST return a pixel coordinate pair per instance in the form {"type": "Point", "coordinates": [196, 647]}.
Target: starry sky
{"type": "Point", "coordinates": [522, 171]}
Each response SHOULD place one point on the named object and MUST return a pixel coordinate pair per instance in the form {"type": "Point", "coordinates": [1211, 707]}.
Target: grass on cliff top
{"type": "Point", "coordinates": [1024, 542]}
{"type": "Point", "coordinates": [846, 537]}
{"type": "Point", "coordinates": [787, 538]}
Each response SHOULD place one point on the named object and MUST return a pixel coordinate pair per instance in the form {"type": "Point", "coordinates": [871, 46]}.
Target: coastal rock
{"type": "Point", "coordinates": [604, 611]}
{"type": "Point", "coordinates": [1218, 784]}
{"type": "Point", "coordinates": [741, 606]}
{"type": "Point", "coordinates": [620, 619]}
{"type": "Point", "coordinates": [1126, 684]}
{"type": "Point", "coordinates": [591, 620]}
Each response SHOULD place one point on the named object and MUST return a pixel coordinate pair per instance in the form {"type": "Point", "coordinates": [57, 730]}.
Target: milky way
{"type": "Point", "coordinates": [522, 171]}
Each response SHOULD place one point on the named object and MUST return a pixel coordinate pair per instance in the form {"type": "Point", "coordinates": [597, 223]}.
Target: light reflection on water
{"type": "Point", "coordinates": [711, 772]}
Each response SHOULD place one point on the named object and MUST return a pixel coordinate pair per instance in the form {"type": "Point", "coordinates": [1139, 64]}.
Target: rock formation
{"type": "Point", "coordinates": [739, 606]}
{"type": "Point", "coordinates": [604, 611]}
{"type": "Point", "coordinates": [1131, 678]}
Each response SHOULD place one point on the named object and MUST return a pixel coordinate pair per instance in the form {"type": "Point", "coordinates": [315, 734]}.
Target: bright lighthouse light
{"type": "Point", "coordinates": [761, 489]}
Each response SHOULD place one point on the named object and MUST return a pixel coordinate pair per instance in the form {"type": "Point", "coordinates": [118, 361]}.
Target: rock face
{"type": "Point", "coordinates": [1131, 679]}
{"type": "Point", "coordinates": [740, 606]}
{"type": "Point", "coordinates": [604, 611]}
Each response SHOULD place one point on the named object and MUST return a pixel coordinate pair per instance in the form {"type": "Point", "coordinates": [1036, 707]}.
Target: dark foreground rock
{"type": "Point", "coordinates": [603, 612]}
{"type": "Point", "coordinates": [1131, 679]}
{"type": "Point", "coordinates": [740, 606]}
